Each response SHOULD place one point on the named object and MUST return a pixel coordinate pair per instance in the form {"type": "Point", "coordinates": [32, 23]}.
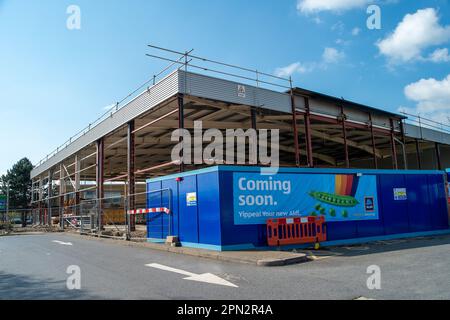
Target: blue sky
{"type": "Point", "coordinates": [54, 81]}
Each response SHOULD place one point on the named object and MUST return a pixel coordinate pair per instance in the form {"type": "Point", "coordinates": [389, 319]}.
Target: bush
{"type": "Point", "coordinates": [6, 226]}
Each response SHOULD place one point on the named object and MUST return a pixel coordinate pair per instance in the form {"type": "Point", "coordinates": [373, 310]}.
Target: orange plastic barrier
{"type": "Point", "coordinates": [289, 231]}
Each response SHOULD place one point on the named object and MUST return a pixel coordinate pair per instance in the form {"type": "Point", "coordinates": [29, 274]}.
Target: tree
{"type": "Point", "coordinates": [19, 185]}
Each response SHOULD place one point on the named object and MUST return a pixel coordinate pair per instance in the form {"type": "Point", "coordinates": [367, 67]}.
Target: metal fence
{"type": "Point", "coordinates": [423, 122]}
{"type": "Point", "coordinates": [17, 216]}
{"type": "Point", "coordinates": [137, 217]}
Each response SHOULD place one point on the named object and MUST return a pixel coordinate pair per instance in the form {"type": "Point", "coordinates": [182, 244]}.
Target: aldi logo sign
{"type": "Point", "coordinates": [369, 204]}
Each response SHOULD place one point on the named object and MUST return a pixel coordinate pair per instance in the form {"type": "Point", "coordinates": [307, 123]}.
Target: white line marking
{"type": "Point", "coordinates": [63, 243]}
{"type": "Point", "coordinates": [205, 277]}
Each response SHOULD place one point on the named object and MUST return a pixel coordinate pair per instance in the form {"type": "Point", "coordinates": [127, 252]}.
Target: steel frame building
{"type": "Point", "coordinates": [132, 143]}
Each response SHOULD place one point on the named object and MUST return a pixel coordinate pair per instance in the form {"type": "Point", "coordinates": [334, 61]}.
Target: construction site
{"type": "Point", "coordinates": [119, 174]}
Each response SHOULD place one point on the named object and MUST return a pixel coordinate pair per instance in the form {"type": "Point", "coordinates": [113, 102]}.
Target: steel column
{"type": "Point", "coordinates": [344, 131]}
{"type": "Point", "coordinates": [254, 121]}
{"type": "Point", "coordinates": [419, 158]}
{"type": "Point", "coordinates": [253, 118]}
{"type": "Point", "coordinates": [374, 146]}
{"type": "Point", "coordinates": [438, 156]}
{"type": "Point", "coordinates": [295, 129]}
{"type": "Point", "coordinates": [393, 147]}
{"type": "Point", "coordinates": [61, 195]}
{"type": "Point", "coordinates": [181, 124]}
{"type": "Point", "coordinates": [77, 185]}
{"type": "Point", "coordinates": [405, 154]}
{"type": "Point", "coordinates": [131, 156]}
{"type": "Point", "coordinates": [41, 195]}
{"type": "Point", "coordinates": [50, 195]}
{"type": "Point", "coordinates": [309, 149]}
{"type": "Point", "coordinates": [100, 181]}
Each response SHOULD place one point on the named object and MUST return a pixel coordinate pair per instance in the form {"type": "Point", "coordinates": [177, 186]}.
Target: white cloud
{"type": "Point", "coordinates": [432, 97]}
{"type": "Point", "coordinates": [313, 6]}
{"type": "Point", "coordinates": [295, 67]}
{"type": "Point", "coordinates": [332, 55]}
{"type": "Point", "coordinates": [356, 31]}
{"type": "Point", "coordinates": [415, 33]}
{"type": "Point", "coordinates": [329, 56]}
{"type": "Point", "coordinates": [440, 55]}
{"type": "Point", "coordinates": [288, 70]}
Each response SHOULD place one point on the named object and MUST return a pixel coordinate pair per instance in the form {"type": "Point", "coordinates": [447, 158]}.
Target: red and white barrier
{"type": "Point", "coordinates": [151, 210]}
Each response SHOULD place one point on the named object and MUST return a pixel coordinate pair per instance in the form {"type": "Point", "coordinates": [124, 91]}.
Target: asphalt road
{"type": "Point", "coordinates": [34, 267]}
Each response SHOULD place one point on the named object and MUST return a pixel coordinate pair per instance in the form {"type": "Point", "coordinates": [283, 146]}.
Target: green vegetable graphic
{"type": "Point", "coordinates": [332, 212]}
{"type": "Point", "coordinates": [345, 214]}
{"type": "Point", "coordinates": [333, 199]}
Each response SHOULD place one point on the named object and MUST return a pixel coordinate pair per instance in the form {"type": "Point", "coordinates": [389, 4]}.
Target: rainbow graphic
{"type": "Point", "coordinates": [344, 194]}
{"type": "Point", "coordinates": [346, 185]}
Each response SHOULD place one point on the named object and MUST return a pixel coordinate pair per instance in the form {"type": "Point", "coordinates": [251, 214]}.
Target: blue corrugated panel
{"type": "Point", "coordinates": [154, 220]}
{"type": "Point", "coordinates": [165, 218]}
{"type": "Point", "coordinates": [172, 184]}
{"type": "Point", "coordinates": [209, 208]}
{"type": "Point", "coordinates": [341, 230]}
{"type": "Point", "coordinates": [188, 215]}
{"type": "Point", "coordinates": [395, 212]}
{"type": "Point", "coordinates": [419, 203]}
{"type": "Point", "coordinates": [438, 199]}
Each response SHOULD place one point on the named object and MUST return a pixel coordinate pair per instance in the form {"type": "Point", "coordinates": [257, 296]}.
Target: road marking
{"type": "Point", "coordinates": [63, 243]}
{"type": "Point", "coordinates": [205, 277]}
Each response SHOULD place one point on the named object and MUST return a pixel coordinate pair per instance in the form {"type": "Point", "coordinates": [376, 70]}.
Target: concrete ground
{"type": "Point", "coordinates": [34, 267]}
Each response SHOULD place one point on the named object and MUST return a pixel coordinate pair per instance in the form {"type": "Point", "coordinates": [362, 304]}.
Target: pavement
{"type": "Point", "coordinates": [35, 267]}
{"type": "Point", "coordinates": [263, 258]}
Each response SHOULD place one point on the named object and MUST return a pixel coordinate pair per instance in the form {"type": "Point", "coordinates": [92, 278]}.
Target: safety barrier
{"type": "Point", "coordinates": [288, 231]}
{"type": "Point", "coordinates": [151, 210]}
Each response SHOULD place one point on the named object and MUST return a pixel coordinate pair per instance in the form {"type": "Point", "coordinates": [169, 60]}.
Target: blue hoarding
{"type": "Point", "coordinates": [341, 197]}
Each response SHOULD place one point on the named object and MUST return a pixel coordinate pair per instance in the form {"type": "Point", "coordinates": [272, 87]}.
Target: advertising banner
{"type": "Point", "coordinates": [258, 198]}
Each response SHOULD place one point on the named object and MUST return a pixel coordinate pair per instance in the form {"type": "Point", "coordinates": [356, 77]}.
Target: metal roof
{"type": "Point", "coordinates": [318, 95]}
{"type": "Point", "coordinates": [196, 85]}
